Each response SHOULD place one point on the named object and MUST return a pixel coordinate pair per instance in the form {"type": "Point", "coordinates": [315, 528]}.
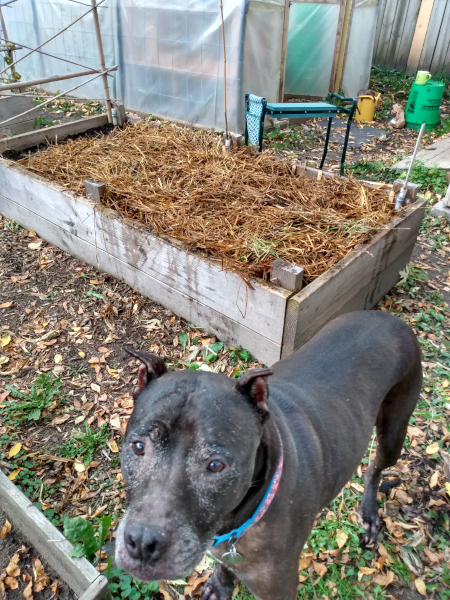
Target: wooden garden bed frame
{"type": "Point", "coordinates": [268, 320]}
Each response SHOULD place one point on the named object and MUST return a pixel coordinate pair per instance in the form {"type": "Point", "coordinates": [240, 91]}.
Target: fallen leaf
{"type": "Point", "coordinates": [55, 589]}
{"type": "Point", "coordinates": [420, 586]}
{"type": "Point", "coordinates": [113, 445]}
{"type": "Point", "coordinates": [95, 282]}
{"type": "Point", "coordinates": [113, 373]}
{"type": "Point", "coordinates": [434, 479]}
{"type": "Point", "coordinates": [432, 449]}
{"type": "Point", "coordinates": [60, 420]}
{"type": "Point", "coordinates": [19, 278]}
{"type": "Point", "coordinates": [15, 449]}
{"type": "Point", "coordinates": [12, 583]}
{"type": "Point", "coordinates": [82, 354]}
{"type": "Point", "coordinates": [341, 538]}
{"type": "Point", "coordinates": [6, 528]}
{"type": "Point", "coordinates": [4, 360]}
{"type": "Point", "coordinates": [35, 245]}
{"type": "Point", "coordinates": [79, 466]}
{"type": "Point", "coordinates": [26, 577]}
{"type": "Point", "coordinates": [447, 488]}
{"type": "Point", "coordinates": [384, 580]}
{"type": "Point", "coordinates": [58, 359]}
{"type": "Point", "coordinates": [4, 340]}
{"type": "Point", "coordinates": [95, 387]}
{"type": "Point", "coordinates": [103, 350]}
{"type": "Point", "coordinates": [319, 568]}
{"type": "Point", "coordinates": [14, 473]}
{"type": "Point", "coordinates": [402, 497]}
{"type": "Point", "coordinates": [13, 570]}
{"type": "Point", "coordinates": [6, 304]}
{"type": "Point", "coordinates": [367, 570]}
{"type": "Point", "coordinates": [27, 592]}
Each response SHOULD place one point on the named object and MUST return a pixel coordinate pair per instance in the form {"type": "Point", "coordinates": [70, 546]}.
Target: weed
{"type": "Point", "coordinates": [81, 532]}
{"type": "Point", "coordinates": [44, 394]}
{"type": "Point", "coordinates": [430, 179]}
{"type": "Point", "coordinates": [93, 294]}
{"type": "Point", "coordinates": [258, 247]}
{"type": "Point", "coordinates": [82, 445]}
{"type": "Point", "coordinates": [123, 585]}
{"type": "Point", "coordinates": [400, 568]}
{"type": "Point", "coordinates": [40, 123]}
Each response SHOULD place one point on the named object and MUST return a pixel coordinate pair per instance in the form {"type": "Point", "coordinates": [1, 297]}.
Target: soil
{"type": "Point", "coordinates": [15, 542]}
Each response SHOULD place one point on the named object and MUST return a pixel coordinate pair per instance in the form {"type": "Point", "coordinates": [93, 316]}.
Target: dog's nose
{"type": "Point", "coordinates": [146, 542]}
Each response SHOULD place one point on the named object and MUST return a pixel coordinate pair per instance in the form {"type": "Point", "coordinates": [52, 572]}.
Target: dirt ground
{"type": "Point", "coordinates": [23, 574]}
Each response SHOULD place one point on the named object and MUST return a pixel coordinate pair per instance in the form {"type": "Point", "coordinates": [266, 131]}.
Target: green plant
{"type": "Point", "coordinates": [258, 247]}
{"type": "Point", "coordinates": [123, 585]}
{"type": "Point", "coordinates": [239, 353]}
{"type": "Point", "coordinates": [81, 533]}
{"type": "Point", "coordinates": [92, 294]}
{"type": "Point", "coordinates": [40, 122]}
{"type": "Point", "coordinates": [82, 445]}
{"type": "Point", "coordinates": [42, 395]}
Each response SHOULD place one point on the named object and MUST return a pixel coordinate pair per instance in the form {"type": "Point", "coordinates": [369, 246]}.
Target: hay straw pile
{"type": "Point", "coordinates": [245, 209]}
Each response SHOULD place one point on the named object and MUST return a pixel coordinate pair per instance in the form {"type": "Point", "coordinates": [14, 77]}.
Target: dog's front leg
{"type": "Point", "coordinates": [220, 585]}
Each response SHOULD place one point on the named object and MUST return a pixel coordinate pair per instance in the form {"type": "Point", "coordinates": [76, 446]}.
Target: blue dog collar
{"type": "Point", "coordinates": [262, 508]}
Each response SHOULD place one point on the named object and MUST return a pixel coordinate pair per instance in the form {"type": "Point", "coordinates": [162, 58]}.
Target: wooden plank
{"type": "Point", "coordinates": [435, 155]}
{"type": "Point", "coordinates": [420, 33]}
{"type": "Point", "coordinates": [432, 34]}
{"type": "Point", "coordinates": [322, 299]}
{"type": "Point", "coordinates": [442, 46]}
{"type": "Point", "coordinates": [284, 41]}
{"type": "Point", "coordinates": [365, 299]}
{"type": "Point", "coordinates": [227, 330]}
{"type": "Point", "coordinates": [10, 106]}
{"type": "Point", "coordinates": [404, 45]}
{"type": "Point", "coordinates": [51, 134]}
{"type": "Point", "coordinates": [17, 128]}
{"type": "Point", "coordinates": [337, 43]}
{"type": "Point", "coordinates": [261, 309]}
{"type": "Point", "coordinates": [348, 29]}
{"type": "Point", "coordinates": [379, 32]}
{"type": "Point", "coordinates": [396, 32]}
{"type": "Point", "coordinates": [386, 29]}
{"type": "Point", "coordinates": [78, 573]}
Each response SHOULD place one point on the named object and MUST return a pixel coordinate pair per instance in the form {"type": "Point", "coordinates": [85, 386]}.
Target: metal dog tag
{"type": "Point", "coordinates": [231, 557]}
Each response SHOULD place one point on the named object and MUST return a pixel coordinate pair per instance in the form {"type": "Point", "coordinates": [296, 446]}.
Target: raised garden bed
{"type": "Point", "coordinates": [268, 320]}
{"type": "Point", "coordinates": [77, 573]}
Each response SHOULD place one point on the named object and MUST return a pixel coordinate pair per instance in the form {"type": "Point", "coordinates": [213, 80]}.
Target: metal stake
{"type": "Point", "coordinates": [102, 60]}
{"type": "Point", "coordinates": [400, 197]}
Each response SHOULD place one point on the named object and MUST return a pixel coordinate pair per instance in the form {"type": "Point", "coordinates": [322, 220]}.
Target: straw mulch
{"type": "Point", "coordinates": [245, 209]}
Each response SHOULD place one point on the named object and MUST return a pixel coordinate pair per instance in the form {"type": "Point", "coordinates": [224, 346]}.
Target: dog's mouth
{"type": "Point", "coordinates": [177, 560]}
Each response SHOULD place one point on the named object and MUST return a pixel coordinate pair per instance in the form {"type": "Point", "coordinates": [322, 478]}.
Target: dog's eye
{"type": "Point", "coordinates": [138, 448]}
{"type": "Point", "coordinates": [215, 466]}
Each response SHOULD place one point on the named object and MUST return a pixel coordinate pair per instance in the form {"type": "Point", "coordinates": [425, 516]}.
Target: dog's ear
{"type": "Point", "coordinates": [253, 384]}
{"type": "Point", "coordinates": [152, 367]}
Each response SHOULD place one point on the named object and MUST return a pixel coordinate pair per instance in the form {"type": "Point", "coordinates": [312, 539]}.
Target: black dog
{"type": "Point", "coordinates": [205, 455]}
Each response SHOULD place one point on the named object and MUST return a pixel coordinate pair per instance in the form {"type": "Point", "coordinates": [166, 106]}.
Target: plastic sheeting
{"type": "Point", "coordinates": [311, 42]}
{"type": "Point", "coordinates": [311, 39]}
{"type": "Point", "coordinates": [169, 52]}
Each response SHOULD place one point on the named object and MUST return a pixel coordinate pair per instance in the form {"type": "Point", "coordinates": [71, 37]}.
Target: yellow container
{"type": "Point", "coordinates": [365, 109]}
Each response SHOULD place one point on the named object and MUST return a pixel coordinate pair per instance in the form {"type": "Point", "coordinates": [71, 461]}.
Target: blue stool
{"type": "Point", "coordinates": [257, 108]}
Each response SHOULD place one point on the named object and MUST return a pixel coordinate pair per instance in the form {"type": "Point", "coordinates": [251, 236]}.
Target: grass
{"type": "Point", "coordinates": [83, 444]}
{"type": "Point", "coordinates": [430, 179]}
{"type": "Point", "coordinates": [44, 395]}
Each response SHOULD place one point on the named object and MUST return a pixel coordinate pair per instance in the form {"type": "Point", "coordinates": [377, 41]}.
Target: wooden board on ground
{"type": "Point", "coordinates": [78, 573]}
{"type": "Point", "coordinates": [266, 319]}
{"type": "Point", "coordinates": [51, 134]}
{"type": "Point", "coordinates": [436, 155]}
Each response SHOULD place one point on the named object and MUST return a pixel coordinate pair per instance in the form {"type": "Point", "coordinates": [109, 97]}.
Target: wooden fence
{"type": "Point", "coordinates": [412, 35]}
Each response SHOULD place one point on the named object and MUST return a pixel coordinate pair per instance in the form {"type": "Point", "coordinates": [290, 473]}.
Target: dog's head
{"type": "Point", "coordinates": [188, 461]}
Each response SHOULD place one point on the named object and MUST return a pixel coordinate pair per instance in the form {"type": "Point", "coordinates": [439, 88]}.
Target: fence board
{"type": "Point", "coordinates": [442, 43]}
{"type": "Point", "coordinates": [432, 35]}
{"type": "Point", "coordinates": [386, 31]}
{"type": "Point", "coordinates": [404, 45]}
